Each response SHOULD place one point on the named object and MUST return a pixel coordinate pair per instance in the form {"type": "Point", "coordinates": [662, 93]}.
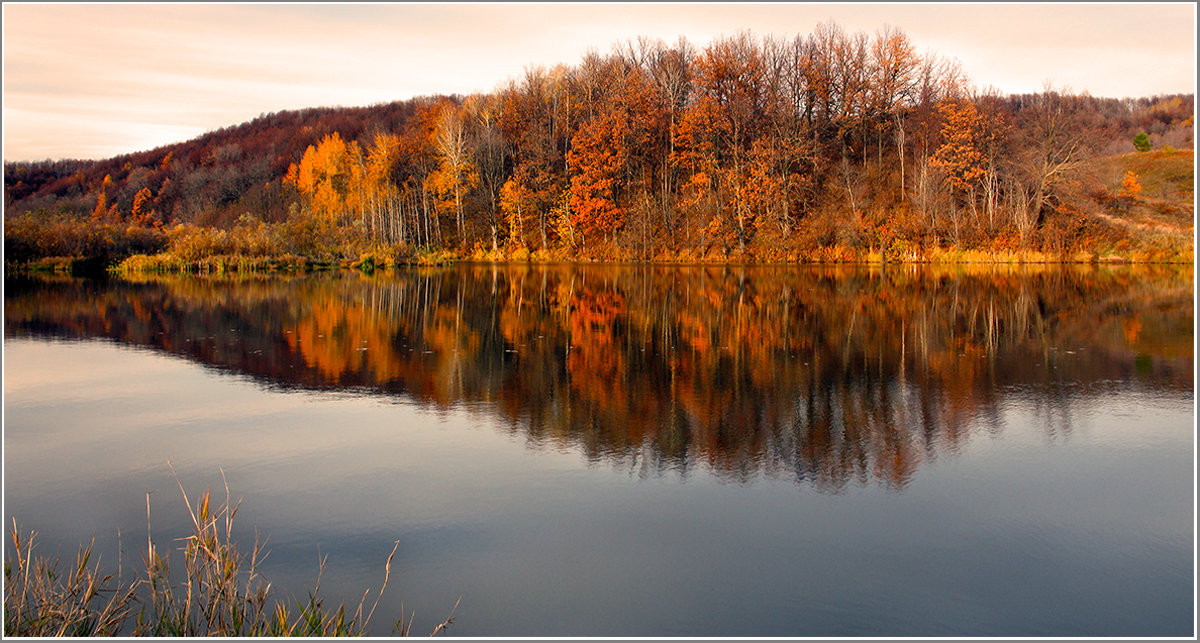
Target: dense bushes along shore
{"type": "Point", "coordinates": [253, 246]}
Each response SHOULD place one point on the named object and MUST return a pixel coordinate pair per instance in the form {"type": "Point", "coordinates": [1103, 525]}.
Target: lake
{"type": "Point", "coordinates": [638, 450]}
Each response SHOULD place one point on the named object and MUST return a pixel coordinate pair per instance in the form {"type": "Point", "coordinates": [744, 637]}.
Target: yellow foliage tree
{"type": "Point", "coordinates": [329, 176]}
{"type": "Point", "coordinates": [380, 193]}
{"type": "Point", "coordinates": [456, 174]}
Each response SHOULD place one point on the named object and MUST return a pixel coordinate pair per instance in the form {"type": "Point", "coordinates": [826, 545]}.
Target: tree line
{"type": "Point", "coordinates": [748, 146]}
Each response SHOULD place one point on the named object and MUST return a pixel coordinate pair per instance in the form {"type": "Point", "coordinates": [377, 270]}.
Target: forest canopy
{"type": "Point", "coordinates": [828, 145]}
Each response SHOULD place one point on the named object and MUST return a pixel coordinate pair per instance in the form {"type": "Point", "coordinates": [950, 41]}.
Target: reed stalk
{"type": "Point", "coordinates": [222, 591]}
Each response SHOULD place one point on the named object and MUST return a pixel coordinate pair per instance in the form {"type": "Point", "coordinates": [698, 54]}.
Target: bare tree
{"type": "Point", "coordinates": [1054, 144]}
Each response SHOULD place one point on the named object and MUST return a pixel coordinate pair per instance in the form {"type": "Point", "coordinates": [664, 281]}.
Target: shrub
{"type": "Point", "coordinates": [150, 263]}
{"type": "Point", "coordinates": [28, 239]}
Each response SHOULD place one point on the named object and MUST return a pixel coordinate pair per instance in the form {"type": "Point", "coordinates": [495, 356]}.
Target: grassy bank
{"type": "Point", "coordinates": [81, 247]}
{"type": "Point", "coordinates": [1164, 251]}
{"type": "Point", "coordinates": [1143, 231]}
{"type": "Point", "coordinates": [218, 592]}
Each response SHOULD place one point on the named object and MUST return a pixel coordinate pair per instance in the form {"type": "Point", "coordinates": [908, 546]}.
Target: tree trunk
{"type": "Point", "coordinates": [900, 134]}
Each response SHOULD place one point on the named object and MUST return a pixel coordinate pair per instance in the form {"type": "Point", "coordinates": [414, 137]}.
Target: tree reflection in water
{"type": "Point", "coordinates": [828, 376]}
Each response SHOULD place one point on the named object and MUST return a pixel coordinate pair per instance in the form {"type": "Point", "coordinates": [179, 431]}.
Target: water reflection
{"type": "Point", "coordinates": [825, 376]}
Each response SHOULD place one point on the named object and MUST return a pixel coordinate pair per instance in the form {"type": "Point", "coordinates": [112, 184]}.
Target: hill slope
{"type": "Point", "coordinates": [210, 179]}
{"type": "Point", "coordinates": [1165, 205]}
{"type": "Point", "coordinates": [747, 148]}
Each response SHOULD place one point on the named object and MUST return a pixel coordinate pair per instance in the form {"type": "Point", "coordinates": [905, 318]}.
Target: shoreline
{"type": "Point", "coordinates": [265, 265]}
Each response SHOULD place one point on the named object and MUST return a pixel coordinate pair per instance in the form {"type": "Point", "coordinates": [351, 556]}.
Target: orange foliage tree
{"type": "Point", "coordinates": [1130, 187]}
{"type": "Point", "coordinates": [960, 156]}
{"type": "Point", "coordinates": [143, 212]}
{"type": "Point", "coordinates": [697, 141]}
{"type": "Point", "coordinates": [526, 199]}
{"type": "Point", "coordinates": [598, 157]}
{"type": "Point", "coordinates": [329, 175]}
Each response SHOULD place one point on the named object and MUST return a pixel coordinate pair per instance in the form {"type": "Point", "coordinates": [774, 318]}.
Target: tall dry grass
{"type": "Point", "coordinates": [221, 591]}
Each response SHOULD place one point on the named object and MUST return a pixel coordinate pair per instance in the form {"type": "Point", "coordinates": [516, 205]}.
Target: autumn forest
{"type": "Point", "coordinates": [829, 146]}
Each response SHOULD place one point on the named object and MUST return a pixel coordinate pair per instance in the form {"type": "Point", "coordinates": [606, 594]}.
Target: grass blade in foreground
{"type": "Point", "coordinates": [222, 592]}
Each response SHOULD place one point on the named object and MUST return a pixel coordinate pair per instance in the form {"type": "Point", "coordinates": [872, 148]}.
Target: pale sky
{"type": "Point", "coordinates": [97, 80]}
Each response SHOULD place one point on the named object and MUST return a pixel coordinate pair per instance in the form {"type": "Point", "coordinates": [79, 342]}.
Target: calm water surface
{"type": "Point", "coordinates": [639, 450]}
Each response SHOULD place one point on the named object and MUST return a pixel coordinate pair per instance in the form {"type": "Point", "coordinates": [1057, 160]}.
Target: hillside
{"type": "Point", "coordinates": [210, 179]}
{"type": "Point", "coordinates": [830, 146]}
{"type": "Point", "coordinates": [1164, 208]}
{"type": "Point", "coordinates": [1166, 175]}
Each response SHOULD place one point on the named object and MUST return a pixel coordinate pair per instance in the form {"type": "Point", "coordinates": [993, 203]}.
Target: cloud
{"type": "Point", "coordinates": [192, 68]}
